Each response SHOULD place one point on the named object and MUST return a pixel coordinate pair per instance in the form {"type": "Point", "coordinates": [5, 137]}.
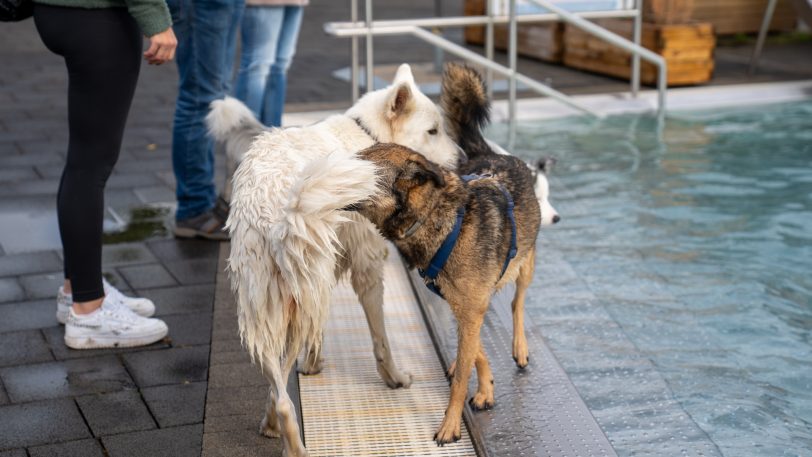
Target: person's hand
{"type": "Point", "coordinates": [161, 47]}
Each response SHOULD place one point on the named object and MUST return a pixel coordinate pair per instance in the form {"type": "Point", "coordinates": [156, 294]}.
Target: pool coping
{"type": "Point", "coordinates": [678, 99]}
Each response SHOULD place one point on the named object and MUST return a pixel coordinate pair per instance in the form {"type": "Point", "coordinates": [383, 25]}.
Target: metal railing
{"type": "Point", "coordinates": [417, 28]}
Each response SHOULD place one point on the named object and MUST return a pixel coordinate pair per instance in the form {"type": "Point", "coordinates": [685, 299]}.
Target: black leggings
{"type": "Point", "coordinates": [102, 50]}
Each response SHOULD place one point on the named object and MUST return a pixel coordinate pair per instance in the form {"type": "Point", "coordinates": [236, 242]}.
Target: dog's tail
{"type": "Point", "coordinates": [283, 259]}
{"type": "Point", "coordinates": [229, 115]}
{"type": "Point", "coordinates": [467, 110]}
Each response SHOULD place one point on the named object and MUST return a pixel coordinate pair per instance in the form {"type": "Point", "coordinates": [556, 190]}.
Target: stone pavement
{"type": "Point", "coordinates": [153, 401]}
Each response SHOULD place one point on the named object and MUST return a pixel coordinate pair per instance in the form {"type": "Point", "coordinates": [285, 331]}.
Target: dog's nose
{"type": "Point", "coordinates": [556, 218]}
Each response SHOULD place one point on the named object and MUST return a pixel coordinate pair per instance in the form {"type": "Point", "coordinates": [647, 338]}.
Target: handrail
{"type": "Point", "coordinates": [413, 27]}
{"type": "Point", "coordinates": [454, 48]}
{"type": "Point", "coordinates": [619, 41]}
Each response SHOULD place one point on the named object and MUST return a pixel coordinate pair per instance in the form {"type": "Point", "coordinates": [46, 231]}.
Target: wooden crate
{"type": "Point", "coordinates": [687, 48]}
{"type": "Point", "coordinates": [538, 41]}
{"type": "Point", "coordinates": [743, 16]}
{"type": "Point", "coordinates": [668, 11]}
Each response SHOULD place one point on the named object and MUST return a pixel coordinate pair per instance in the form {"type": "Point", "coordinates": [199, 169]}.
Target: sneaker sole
{"type": "Point", "coordinates": [63, 312]}
{"type": "Point", "coordinates": [107, 342]}
{"type": "Point", "coordinates": [181, 232]}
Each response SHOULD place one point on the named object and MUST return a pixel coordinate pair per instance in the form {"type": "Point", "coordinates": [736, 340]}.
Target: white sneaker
{"type": "Point", "coordinates": [141, 306]}
{"type": "Point", "coordinates": [112, 325]}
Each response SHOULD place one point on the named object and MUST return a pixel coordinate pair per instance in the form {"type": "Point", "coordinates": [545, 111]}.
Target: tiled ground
{"type": "Point", "coordinates": [152, 401]}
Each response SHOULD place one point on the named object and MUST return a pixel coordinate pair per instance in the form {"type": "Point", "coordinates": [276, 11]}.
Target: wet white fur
{"type": "Point", "coordinates": [290, 240]}
{"type": "Point", "coordinates": [542, 188]}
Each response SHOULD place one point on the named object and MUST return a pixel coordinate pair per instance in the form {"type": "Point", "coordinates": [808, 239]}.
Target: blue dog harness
{"type": "Point", "coordinates": [440, 258]}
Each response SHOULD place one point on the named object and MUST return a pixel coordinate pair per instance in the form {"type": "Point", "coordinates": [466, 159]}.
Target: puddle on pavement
{"type": "Point", "coordinates": [152, 221]}
{"type": "Point", "coordinates": [37, 230]}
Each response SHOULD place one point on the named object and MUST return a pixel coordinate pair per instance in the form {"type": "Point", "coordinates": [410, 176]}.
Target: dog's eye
{"type": "Point", "coordinates": [433, 132]}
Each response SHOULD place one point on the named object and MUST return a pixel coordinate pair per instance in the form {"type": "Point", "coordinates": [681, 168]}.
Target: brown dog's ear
{"type": "Point", "coordinates": [400, 101]}
{"type": "Point", "coordinates": [420, 169]}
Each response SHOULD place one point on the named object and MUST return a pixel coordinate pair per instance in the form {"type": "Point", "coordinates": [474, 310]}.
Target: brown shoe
{"type": "Point", "coordinates": [207, 225]}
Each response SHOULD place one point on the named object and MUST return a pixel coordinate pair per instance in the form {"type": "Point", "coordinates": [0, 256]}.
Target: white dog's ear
{"type": "Point", "coordinates": [400, 101]}
{"type": "Point", "coordinates": [404, 75]}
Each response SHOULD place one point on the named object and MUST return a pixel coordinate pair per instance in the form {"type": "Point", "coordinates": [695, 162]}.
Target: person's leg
{"type": "Point", "coordinates": [203, 29]}
{"type": "Point", "coordinates": [261, 27]}
{"type": "Point", "coordinates": [274, 103]}
{"type": "Point", "coordinates": [102, 51]}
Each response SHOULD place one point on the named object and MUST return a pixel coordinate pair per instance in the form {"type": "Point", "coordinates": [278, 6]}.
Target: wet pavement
{"type": "Point", "coordinates": [153, 401]}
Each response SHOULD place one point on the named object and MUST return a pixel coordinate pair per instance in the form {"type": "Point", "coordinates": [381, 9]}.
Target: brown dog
{"type": "Point", "coordinates": [419, 207]}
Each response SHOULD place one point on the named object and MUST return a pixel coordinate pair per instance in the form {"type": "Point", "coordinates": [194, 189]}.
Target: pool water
{"type": "Point", "coordinates": [695, 246]}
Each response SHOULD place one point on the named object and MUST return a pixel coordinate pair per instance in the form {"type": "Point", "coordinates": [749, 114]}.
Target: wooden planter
{"type": "Point", "coordinates": [668, 11]}
{"type": "Point", "coordinates": [538, 41]}
{"type": "Point", "coordinates": [687, 48]}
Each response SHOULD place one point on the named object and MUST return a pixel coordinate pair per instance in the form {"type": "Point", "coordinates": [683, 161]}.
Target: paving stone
{"type": "Point", "coordinates": [30, 187]}
{"type": "Point", "coordinates": [175, 249]}
{"type": "Point", "coordinates": [31, 158]}
{"type": "Point", "coordinates": [49, 170]}
{"type": "Point", "coordinates": [228, 401]}
{"type": "Point", "coordinates": [55, 337]}
{"type": "Point", "coordinates": [184, 441]}
{"type": "Point", "coordinates": [3, 395]}
{"type": "Point", "coordinates": [179, 404]}
{"type": "Point", "coordinates": [181, 300]}
{"type": "Point", "coordinates": [12, 174]}
{"type": "Point", "coordinates": [195, 271]}
{"type": "Point", "coordinates": [236, 375]}
{"type": "Point", "coordinates": [171, 366]}
{"type": "Point", "coordinates": [113, 413]}
{"type": "Point", "coordinates": [65, 379]}
{"type": "Point", "coordinates": [43, 422]}
{"type": "Point", "coordinates": [115, 255]}
{"type": "Point", "coordinates": [35, 262]}
{"type": "Point", "coordinates": [7, 149]}
{"type": "Point", "coordinates": [43, 285]}
{"type": "Point", "coordinates": [225, 326]}
{"type": "Point", "coordinates": [240, 443]}
{"type": "Point", "coordinates": [147, 276]}
{"type": "Point", "coordinates": [24, 347]}
{"type": "Point", "coordinates": [28, 315]}
{"type": "Point", "coordinates": [228, 351]}
{"type": "Point", "coordinates": [14, 453]}
{"type": "Point", "coordinates": [45, 147]}
{"type": "Point", "coordinates": [10, 290]}
{"type": "Point", "coordinates": [189, 329]}
{"type": "Point", "coordinates": [80, 448]}
{"type": "Point", "coordinates": [130, 180]}
{"type": "Point", "coordinates": [155, 194]}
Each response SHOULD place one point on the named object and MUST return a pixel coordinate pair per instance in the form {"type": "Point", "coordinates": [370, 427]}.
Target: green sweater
{"type": "Point", "coordinates": [151, 15]}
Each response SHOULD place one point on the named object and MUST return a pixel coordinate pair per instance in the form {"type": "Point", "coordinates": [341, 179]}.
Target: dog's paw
{"type": "Point", "coordinates": [520, 353]}
{"type": "Point", "coordinates": [480, 401]}
{"type": "Point", "coordinates": [312, 367]}
{"type": "Point", "coordinates": [449, 431]}
{"type": "Point", "coordinates": [451, 370]}
{"type": "Point", "coordinates": [399, 380]}
{"type": "Point", "coordinates": [269, 429]}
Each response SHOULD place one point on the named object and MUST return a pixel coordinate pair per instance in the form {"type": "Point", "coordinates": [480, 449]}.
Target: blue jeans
{"type": "Point", "coordinates": [269, 35]}
{"type": "Point", "coordinates": [206, 32]}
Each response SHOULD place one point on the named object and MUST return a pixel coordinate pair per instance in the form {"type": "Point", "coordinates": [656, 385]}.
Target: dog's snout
{"type": "Point", "coordinates": [556, 218]}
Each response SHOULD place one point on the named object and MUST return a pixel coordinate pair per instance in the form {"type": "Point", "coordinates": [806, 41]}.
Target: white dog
{"type": "Point", "coordinates": [291, 240]}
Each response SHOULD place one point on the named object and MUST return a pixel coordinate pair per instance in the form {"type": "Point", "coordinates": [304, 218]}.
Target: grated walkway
{"type": "Point", "coordinates": [348, 411]}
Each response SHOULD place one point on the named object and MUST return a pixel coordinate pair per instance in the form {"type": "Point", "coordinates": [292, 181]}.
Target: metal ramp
{"type": "Point", "coordinates": [348, 411]}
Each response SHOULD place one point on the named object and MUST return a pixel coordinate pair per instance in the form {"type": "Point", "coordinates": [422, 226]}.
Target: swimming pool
{"type": "Point", "coordinates": [677, 290]}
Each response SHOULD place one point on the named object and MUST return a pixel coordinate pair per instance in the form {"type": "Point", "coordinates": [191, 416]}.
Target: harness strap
{"type": "Point", "coordinates": [441, 256]}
